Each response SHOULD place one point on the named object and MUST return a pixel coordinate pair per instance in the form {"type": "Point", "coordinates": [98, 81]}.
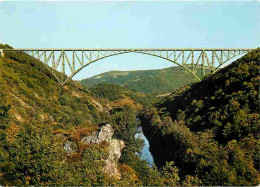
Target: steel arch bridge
{"type": "Point", "coordinates": [70, 61]}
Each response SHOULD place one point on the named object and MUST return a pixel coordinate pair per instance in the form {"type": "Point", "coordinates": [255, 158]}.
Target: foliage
{"type": "Point", "coordinates": [36, 157]}
{"type": "Point", "coordinates": [227, 103]}
{"type": "Point", "coordinates": [113, 92]}
{"type": "Point", "coordinates": [125, 124]}
{"type": "Point", "coordinates": [154, 82]}
{"type": "Point", "coordinates": [34, 94]}
{"type": "Point", "coordinates": [109, 91]}
{"type": "Point", "coordinates": [37, 117]}
{"type": "Point", "coordinates": [210, 129]}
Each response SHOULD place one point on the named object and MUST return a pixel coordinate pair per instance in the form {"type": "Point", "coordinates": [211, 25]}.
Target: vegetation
{"type": "Point", "coordinates": [153, 82]}
{"type": "Point", "coordinates": [203, 134]}
{"type": "Point", "coordinates": [34, 94]}
{"type": "Point", "coordinates": [113, 92]}
{"type": "Point", "coordinates": [37, 117]}
{"type": "Point", "coordinates": [33, 108]}
{"type": "Point", "coordinates": [109, 91]}
{"type": "Point", "coordinates": [210, 129]}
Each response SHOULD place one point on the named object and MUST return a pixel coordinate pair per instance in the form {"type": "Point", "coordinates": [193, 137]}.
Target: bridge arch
{"type": "Point", "coordinates": [68, 59]}
{"type": "Point", "coordinates": [174, 62]}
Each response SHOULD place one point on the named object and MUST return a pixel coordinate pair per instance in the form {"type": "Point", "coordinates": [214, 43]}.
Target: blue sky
{"type": "Point", "coordinates": [132, 24]}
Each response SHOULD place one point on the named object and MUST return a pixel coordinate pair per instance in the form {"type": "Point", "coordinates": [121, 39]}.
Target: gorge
{"type": "Point", "coordinates": [203, 133]}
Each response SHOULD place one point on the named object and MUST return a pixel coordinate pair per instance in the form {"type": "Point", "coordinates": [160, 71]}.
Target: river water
{"type": "Point", "coordinates": [145, 154]}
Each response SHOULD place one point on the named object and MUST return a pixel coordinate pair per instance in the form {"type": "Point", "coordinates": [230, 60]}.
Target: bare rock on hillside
{"type": "Point", "coordinates": [105, 133]}
{"type": "Point", "coordinates": [115, 147]}
{"type": "Point", "coordinates": [114, 150]}
{"type": "Point", "coordinates": [70, 147]}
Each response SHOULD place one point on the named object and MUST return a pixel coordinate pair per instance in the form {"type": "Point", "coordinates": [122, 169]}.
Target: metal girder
{"type": "Point", "coordinates": [71, 61]}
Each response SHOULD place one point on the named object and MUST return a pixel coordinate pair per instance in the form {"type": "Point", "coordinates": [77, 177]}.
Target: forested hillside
{"type": "Point", "coordinates": [33, 92]}
{"type": "Point", "coordinates": [211, 128]}
{"type": "Point", "coordinates": [159, 81]}
{"type": "Point", "coordinates": [46, 131]}
{"type": "Point", "coordinates": [119, 95]}
{"type": "Point", "coordinates": [202, 134]}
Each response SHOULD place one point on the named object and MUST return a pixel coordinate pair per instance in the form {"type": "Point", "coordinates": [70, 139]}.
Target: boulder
{"type": "Point", "coordinates": [70, 147]}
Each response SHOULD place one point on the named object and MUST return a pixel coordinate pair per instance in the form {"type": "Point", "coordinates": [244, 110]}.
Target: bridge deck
{"type": "Point", "coordinates": [128, 49]}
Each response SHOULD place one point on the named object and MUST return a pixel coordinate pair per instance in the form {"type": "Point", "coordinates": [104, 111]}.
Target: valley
{"type": "Point", "coordinates": [129, 93]}
{"type": "Point", "coordinates": [86, 133]}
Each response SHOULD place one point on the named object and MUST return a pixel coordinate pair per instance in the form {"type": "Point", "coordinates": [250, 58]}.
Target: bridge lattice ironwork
{"type": "Point", "coordinates": [65, 63]}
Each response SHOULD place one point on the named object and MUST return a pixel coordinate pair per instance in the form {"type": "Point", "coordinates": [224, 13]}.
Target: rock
{"type": "Point", "coordinates": [104, 134]}
{"type": "Point", "coordinates": [70, 147]}
{"type": "Point", "coordinates": [115, 147]}
{"type": "Point", "coordinates": [114, 151]}
{"type": "Point", "coordinates": [90, 139]}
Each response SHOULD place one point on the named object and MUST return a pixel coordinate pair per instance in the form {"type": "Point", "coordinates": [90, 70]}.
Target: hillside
{"type": "Point", "coordinates": [210, 129]}
{"type": "Point", "coordinates": [158, 81]}
{"type": "Point", "coordinates": [32, 91]}
{"type": "Point", "coordinates": [72, 136]}
{"type": "Point", "coordinates": [38, 118]}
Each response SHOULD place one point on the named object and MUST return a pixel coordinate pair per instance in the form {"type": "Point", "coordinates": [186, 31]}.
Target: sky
{"type": "Point", "coordinates": [129, 24]}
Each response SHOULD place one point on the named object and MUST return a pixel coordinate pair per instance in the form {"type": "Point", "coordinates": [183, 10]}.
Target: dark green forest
{"type": "Point", "coordinates": [210, 129]}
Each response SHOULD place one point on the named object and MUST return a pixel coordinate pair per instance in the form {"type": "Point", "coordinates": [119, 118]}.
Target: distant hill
{"type": "Point", "coordinates": [159, 81]}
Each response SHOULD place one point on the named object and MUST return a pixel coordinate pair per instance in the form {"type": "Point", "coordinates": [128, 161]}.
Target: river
{"type": "Point", "coordinates": [145, 154]}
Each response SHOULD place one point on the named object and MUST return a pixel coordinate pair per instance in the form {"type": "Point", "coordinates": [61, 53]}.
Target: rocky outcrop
{"type": "Point", "coordinates": [105, 133]}
{"type": "Point", "coordinates": [115, 147]}
{"type": "Point", "coordinates": [114, 151]}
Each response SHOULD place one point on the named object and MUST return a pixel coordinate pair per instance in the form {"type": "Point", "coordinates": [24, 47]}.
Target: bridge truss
{"type": "Point", "coordinates": [65, 63]}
